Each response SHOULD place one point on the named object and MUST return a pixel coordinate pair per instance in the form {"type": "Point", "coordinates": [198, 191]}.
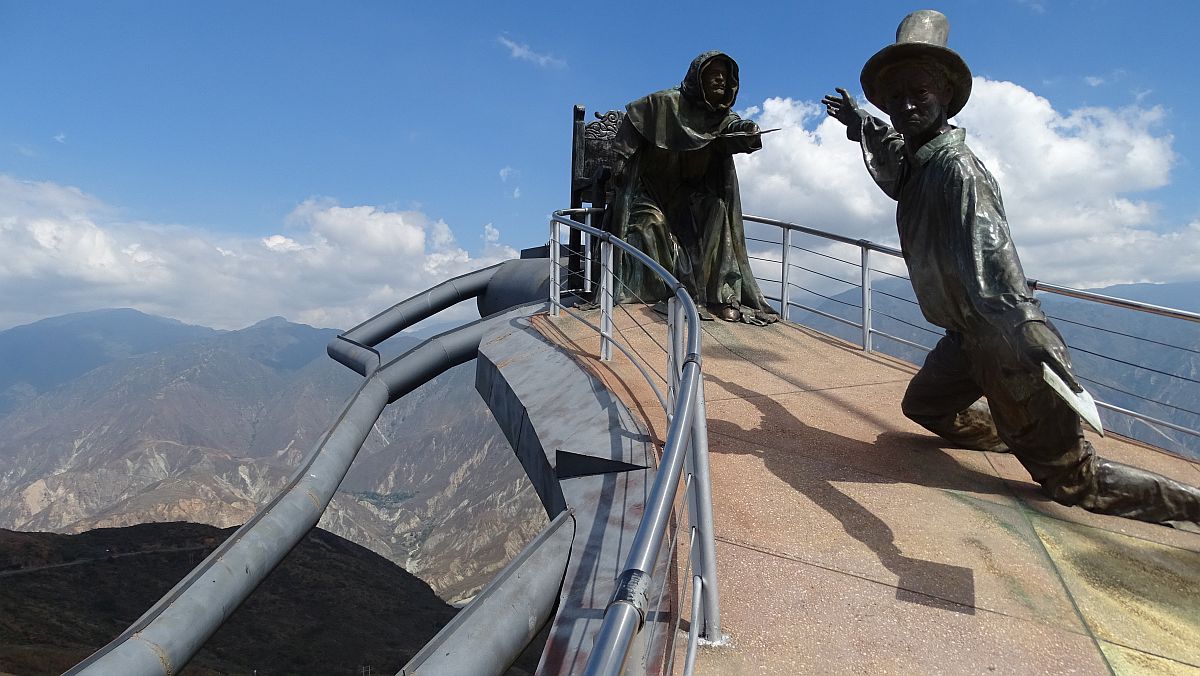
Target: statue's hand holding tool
{"type": "Point", "coordinates": [745, 128]}
{"type": "Point", "coordinates": [1039, 344]}
{"type": "Point", "coordinates": [842, 108]}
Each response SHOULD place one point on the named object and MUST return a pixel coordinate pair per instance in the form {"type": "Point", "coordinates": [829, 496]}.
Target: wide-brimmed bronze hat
{"type": "Point", "coordinates": [921, 34]}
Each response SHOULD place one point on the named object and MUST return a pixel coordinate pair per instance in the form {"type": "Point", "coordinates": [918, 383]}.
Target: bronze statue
{"type": "Point", "coordinates": [677, 193]}
{"type": "Point", "coordinates": [968, 280]}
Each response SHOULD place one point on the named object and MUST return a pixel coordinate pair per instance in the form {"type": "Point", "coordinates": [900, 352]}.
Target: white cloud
{"type": "Point", "coordinates": [1074, 183]}
{"type": "Point", "coordinates": [60, 137]}
{"type": "Point", "coordinates": [505, 172]}
{"type": "Point", "coordinates": [523, 52]}
{"type": "Point", "coordinates": [516, 193]}
{"type": "Point", "coordinates": [332, 266]}
{"type": "Point", "coordinates": [1093, 81]}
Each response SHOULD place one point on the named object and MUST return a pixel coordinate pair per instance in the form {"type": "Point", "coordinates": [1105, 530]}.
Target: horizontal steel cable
{"type": "Point", "coordinates": [836, 279]}
{"type": "Point", "coordinates": [902, 321]}
{"type": "Point", "coordinates": [890, 295]}
{"type": "Point", "coordinates": [1136, 366]}
{"type": "Point", "coordinates": [1119, 333]}
{"type": "Point", "coordinates": [825, 255]}
{"type": "Point", "coordinates": [836, 300]}
{"type": "Point", "coordinates": [1137, 396]}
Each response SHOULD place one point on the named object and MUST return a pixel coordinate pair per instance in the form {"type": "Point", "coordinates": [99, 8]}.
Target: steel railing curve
{"type": "Point", "coordinates": [686, 446]}
{"type": "Point", "coordinates": [866, 314]}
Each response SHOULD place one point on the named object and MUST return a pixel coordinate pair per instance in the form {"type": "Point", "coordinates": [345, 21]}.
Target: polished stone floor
{"type": "Point", "coordinates": [851, 541]}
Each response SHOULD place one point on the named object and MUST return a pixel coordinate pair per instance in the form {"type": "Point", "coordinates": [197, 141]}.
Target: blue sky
{"type": "Point", "coordinates": [228, 123]}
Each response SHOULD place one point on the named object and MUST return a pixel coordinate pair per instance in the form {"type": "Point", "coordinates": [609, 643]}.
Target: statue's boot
{"type": "Point", "coordinates": [728, 312]}
{"type": "Point", "coordinates": [1134, 493]}
{"type": "Point", "coordinates": [971, 428]}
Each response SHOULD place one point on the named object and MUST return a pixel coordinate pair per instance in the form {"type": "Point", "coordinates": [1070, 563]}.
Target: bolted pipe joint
{"type": "Point", "coordinates": [633, 588]}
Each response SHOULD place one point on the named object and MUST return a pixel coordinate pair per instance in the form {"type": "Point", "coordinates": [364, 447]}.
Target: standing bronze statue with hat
{"type": "Point", "coordinates": [968, 280]}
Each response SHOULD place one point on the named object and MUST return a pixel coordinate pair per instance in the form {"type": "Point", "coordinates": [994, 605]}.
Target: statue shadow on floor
{"type": "Point", "coordinates": [928, 583]}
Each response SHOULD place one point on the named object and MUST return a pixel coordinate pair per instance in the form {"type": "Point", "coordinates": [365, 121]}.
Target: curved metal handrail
{"type": "Point", "coordinates": [686, 432]}
{"type": "Point", "coordinates": [166, 636]}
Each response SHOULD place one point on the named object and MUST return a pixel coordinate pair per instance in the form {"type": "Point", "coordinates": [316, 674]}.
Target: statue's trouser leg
{"type": "Point", "coordinates": [944, 399]}
{"type": "Point", "coordinates": [721, 285]}
{"type": "Point", "coordinates": [1047, 438]}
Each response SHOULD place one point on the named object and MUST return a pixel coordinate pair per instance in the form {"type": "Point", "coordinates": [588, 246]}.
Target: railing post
{"type": "Point", "coordinates": [587, 256]}
{"type": "Point", "coordinates": [606, 300]}
{"type": "Point", "coordinates": [785, 296]}
{"type": "Point", "coordinates": [555, 289]}
{"type": "Point", "coordinates": [676, 321]}
{"type": "Point", "coordinates": [706, 566]}
{"type": "Point", "coordinates": [866, 296]}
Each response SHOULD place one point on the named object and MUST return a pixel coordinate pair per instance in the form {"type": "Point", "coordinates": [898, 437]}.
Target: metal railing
{"type": "Point", "coordinates": [167, 635]}
{"type": "Point", "coordinates": [866, 323]}
{"type": "Point", "coordinates": [684, 453]}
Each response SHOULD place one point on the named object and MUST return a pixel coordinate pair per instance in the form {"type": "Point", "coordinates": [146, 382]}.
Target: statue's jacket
{"type": "Point", "coordinates": [953, 233]}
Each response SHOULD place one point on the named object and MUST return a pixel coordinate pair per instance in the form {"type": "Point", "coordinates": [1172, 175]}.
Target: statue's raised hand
{"type": "Point", "coordinates": [842, 108]}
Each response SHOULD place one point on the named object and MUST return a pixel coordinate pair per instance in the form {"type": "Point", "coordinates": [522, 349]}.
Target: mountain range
{"type": "Point", "coordinates": [115, 417]}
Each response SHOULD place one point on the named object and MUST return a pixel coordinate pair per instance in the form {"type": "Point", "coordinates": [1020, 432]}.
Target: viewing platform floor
{"type": "Point", "coordinates": [850, 540]}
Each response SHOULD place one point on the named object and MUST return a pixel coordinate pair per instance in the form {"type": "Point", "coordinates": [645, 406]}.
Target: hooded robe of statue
{"type": "Point", "coordinates": [677, 197]}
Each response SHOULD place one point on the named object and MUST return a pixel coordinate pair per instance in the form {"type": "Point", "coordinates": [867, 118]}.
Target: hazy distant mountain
{"type": "Point", "coordinates": [331, 607]}
{"type": "Point", "coordinates": [209, 429]}
{"type": "Point", "coordinates": [1180, 295]}
{"type": "Point", "coordinates": [1137, 361]}
{"type": "Point", "coordinates": [39, 356]}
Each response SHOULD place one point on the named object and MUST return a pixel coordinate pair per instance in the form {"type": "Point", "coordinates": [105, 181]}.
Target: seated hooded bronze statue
{"type": "Point", "coordinates": [677, 194]}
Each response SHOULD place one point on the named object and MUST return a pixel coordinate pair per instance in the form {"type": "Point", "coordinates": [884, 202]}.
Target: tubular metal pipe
{"type": "Point", "coordinates": [1112, 300]}
{"type": "Point", "coordinates": [433, 357]}
{"type": "Point", "coordinates": [785, 292]}
{"type": "Point", "coordinates": [706, 566]}
{"type": "Point", "coordinates": [555, 284]}
{"type": "Point", "coordinates": [689, 660]}
{"type": "Point", "coordinates": [488, 635]}
{"type": "Point", "coordinates": [421, 306]}
{"type": "Point", "coordinates": [587, 257]}
{"type": "Point", "coordinates": [646, 543]}
{"type": "Point", "coordinates": [606, 300]}
{"type": "Point", "coordinates": [611, 648]}
{"type": "Point", "coordinates": [354, 348]}
{"type": "Point", "coordinates": [167, 635]}
{"type": "Point", "coordinates": [866, 299]}
{"type": "Point", "coordinates": [821, 233]}
{"type": "Point", "coordinates": [622, 621]}
{"type": "Point", "coordinates": [359, 358]}
{"type": "Point", "coordinates": [674, 350]}
{"type": "Point", "coordinates": [623, 617]}
{"type": "Point", "coordinates": [1148, 419]}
